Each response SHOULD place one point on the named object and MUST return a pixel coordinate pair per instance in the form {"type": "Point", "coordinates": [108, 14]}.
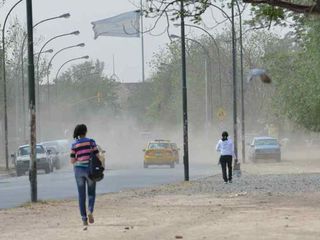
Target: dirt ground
{"type": "Point", "coordinates": [148, 214]}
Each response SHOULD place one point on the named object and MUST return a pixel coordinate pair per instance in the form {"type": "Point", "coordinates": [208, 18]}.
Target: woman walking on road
{"type": "Point", "coordinates": [226, 149]}
{"type": "Point", "coordinates": [80, 155]}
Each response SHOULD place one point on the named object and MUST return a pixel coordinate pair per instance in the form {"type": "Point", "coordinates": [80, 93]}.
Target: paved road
{"type": "Point", "coordinates": [60, 184]}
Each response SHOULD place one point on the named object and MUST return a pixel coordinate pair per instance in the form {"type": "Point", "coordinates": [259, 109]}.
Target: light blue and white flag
{"type": "Point", "coordinates": [123, 25]}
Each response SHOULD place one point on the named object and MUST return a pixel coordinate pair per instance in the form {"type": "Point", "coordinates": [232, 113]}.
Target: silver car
{"type": "Point", "coordinates": [265, 148]}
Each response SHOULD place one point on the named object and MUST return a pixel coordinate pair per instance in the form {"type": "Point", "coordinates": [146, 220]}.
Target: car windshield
{"type": "Point", "coordinates": [259, 142]}
{"type": "Point", "coordinates": [26, 150]}
{"type": "Point", "coordinates": [159, 145]}
{"type": "Point", "coordinates": [52, 149]}
{"type": "Point", "coordinates": [60, 146]}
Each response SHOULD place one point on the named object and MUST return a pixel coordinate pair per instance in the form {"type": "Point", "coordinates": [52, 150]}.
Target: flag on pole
{"type": "Point", "coordinates": [123, 25]}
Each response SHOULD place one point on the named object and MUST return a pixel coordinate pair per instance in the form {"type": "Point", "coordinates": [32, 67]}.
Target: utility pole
{"type": "Point", "coordinates": [142, 42]}
{"type": "Point", "coordinates": [184, 96]}
{"type": "Point", "coordinates": [243, 136]}
{"type": "Point", "coordinates": [234, 80]}
{"type": "Point", "coordinates": [32, 105]}
{"type": "Point", "coordinates": [6, 148]}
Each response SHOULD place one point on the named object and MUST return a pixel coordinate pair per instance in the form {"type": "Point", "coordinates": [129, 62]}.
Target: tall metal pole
{"type": "Point", "coordinates": [210, 85]}
{"type": "Point", "coordinates": [243, 144]}
{"type": "Point", "coordinates": [142, 42]}
{"type": "Point", "coordinates": [234, 80]}
{"type": "Point", "coordinates": [45, 44]}
{"type": "Point", "coordinates": [50, 61]}
{"type": "Point", "coordinates": [23, 90]}
{"type": "Point", "coordinates": [66, 15]}
{"type": "Point", "coordinates": [73, 59]}
{"type": "Point", "coordinates": [32, 104]}
{"type": "Point", "coordinates": [6, 148]}
{"type": "Point", "coordinates": [208, 81]}
{"type": "Point", "coordinates": [184, 96]}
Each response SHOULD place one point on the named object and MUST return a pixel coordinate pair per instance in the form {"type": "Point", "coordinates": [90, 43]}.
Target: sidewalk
{"type": "Point", "coordinates": [7, 173]}
{"type": "Point", "coordinates": [202, 209]}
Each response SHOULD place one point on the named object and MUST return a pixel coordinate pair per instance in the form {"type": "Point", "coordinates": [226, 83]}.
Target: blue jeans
{"type": "Point", "coordinates": [83, 180]}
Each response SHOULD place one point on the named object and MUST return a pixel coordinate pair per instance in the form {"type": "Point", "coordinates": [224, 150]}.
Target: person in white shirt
{"type": "Point", "coordinates": [226, 149]}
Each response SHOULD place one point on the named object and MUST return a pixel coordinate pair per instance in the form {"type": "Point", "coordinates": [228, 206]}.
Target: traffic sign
{"type": "Point", "coordinates": [221, 114]}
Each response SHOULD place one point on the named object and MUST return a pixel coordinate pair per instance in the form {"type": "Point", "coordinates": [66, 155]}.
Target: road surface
{"type": "Point", "coordinates": [60, 184]}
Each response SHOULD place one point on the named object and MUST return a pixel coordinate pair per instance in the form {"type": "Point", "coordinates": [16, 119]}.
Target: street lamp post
{"type": "Point", "coordinates": [38, 92]}
{"type": "Point", "coordinates": [50, 61]}
{"type": "Point", "coordinates": [243, 144]}
{"type": "Point", "coordinates": [73, 59]}
{"type": "Point", "coordinates": [234, 79]}
{"type": "Point", "coordinates": [32, 103]}
{"type": "Point", "coordinates": [5, 87]}
{"type": "Point", "coordinates": [207, 77]}
{"type": "Point", "coordinates": [210, 83]}
{"type": "Point", "coordinates": [47, 42]}
{"type": "Point", "coordinates": [219, 58]}
{"type": "Point", "coordinates": [66, 15]}
{"type": "Point", "coordinates": [184, 95]}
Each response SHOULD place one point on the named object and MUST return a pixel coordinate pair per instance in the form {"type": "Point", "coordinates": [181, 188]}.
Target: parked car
{"type": "Point", "coordinates": [53, 152]}
{"type": "Point", "coordinates": [23, 163]}
{"type": "Point", "coordinates": [265, 148]}
{"type": "Point", "coordinates": [61, 152]}
{"type": "Point", "coordinates": [159, 152]}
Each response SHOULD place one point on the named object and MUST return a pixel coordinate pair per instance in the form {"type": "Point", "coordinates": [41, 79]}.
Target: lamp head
{"type": "Point", "coordinates": [66, 15]}
{"type": "Point", "coordinates": [75, 33]}
{"type": "Point", "coordinates": [174, 36]}
{"type": "Point", "coordinates": [85, 57]}
{"type": "Point", "coordinates": [81, 45]}
{"type": "Point", "coordinates": [50, 50]}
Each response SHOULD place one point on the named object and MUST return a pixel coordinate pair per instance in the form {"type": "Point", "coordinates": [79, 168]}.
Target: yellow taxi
{"type": "Point", "coordinates": [159, 152]}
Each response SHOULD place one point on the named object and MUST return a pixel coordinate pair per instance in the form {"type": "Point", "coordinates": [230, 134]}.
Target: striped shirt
{"type": "Point", "coordinates": [81, 150]}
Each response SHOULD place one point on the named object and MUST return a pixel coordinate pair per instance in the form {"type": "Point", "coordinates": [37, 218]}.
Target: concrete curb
{"type": "Point", "coordinates": [7, 174]}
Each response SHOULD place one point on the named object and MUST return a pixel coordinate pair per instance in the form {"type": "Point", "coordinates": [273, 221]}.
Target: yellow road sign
{"type": "Point", "coordinates": [221, 114]}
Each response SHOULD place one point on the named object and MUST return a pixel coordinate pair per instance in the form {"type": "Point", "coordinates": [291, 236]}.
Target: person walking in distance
{"type": "Point", "coordinates": [80, 155]}
{"type": "Point", "coordinates": [226, 149]}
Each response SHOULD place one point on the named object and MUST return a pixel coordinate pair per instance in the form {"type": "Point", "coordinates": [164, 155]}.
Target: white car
{"type": "Point", "coordinates": [60, 152]}
{"type": "Point", "coordinates": [23, 163]}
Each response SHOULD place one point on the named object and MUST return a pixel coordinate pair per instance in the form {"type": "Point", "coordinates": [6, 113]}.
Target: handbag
{"type": "Point", "coordinates": [95, 168]}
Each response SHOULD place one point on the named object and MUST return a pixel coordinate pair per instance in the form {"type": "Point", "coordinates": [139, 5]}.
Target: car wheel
{"type": "Point", "coordinates": [47, 170]}
{"type": "Point", "coordinates": [145, 165]}
{"type": "Point", "coordinates": [278, 158]}
{"type": "Point", "coordinates": [58, 164]}
{"type": "Point", "coordinates": [19, 172]}
{"type": "Point", "coordinates": [172, 165]}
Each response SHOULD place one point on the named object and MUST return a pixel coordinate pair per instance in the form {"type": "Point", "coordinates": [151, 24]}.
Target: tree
{"type": "Point", "coordinates": [296, 70]}
{"type": "Point", "coordinates": [82, 93]}
{"type": "Point", "coordinates": [307, 7]}
{"type": "Point", "coordinates": [86, 85]}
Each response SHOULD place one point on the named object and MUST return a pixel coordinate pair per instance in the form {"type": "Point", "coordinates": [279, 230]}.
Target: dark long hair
{"type": "Point", "coordinates": [225, 136]}
{"type": "Point", "coordinates": [80, 130]}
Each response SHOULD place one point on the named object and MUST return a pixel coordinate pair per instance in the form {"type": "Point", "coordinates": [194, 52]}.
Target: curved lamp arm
{"type": "Point", "coordinates": [73, 59]}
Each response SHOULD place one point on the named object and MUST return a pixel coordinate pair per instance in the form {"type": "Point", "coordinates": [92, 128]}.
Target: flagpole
{"type": "Point", "coordinates": [142, 42]}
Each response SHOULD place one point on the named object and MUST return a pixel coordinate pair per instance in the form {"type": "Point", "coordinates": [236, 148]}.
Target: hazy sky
{"type": "Point", "coordinates": [127, 51]}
